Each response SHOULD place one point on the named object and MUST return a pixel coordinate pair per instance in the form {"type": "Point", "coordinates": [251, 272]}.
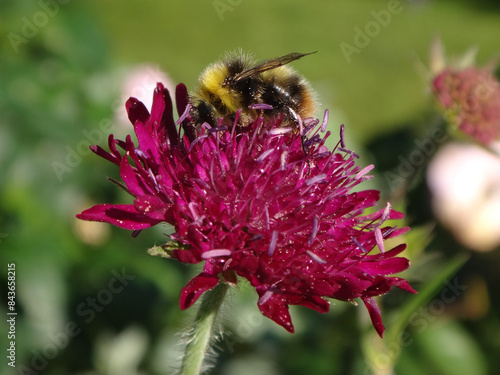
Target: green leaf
{"type": "Point", "coordinates": [449, 349]}
{"type": "Point", "coordinates": [165, 250]}
{"type": "Point", "coordinates": [424, 296]}
{"type": "Point", "coordinates": [381, 355]}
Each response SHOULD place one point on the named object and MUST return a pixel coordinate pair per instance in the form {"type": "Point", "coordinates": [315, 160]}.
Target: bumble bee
{"type": "Point", "coordinates": [237, 83]}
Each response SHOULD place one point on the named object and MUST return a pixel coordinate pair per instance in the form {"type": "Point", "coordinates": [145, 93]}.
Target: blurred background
{"type": "Point", "coordinates": [90, 300]}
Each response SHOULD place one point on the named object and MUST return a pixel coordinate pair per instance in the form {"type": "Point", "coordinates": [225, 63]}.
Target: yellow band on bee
{"type": "Point", "coordinates": [212, 82]}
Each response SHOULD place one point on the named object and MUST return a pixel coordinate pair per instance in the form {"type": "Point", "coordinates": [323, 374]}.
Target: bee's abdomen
{"type": "Point", "coordinates": [296, 97]}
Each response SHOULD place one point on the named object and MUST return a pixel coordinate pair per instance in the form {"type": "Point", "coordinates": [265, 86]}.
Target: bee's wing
{"type": "Point", "coordinates": [270, 64]}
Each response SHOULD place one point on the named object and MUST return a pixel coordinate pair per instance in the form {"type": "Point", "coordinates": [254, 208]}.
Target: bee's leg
{"type": "Point", "coordinates": [298, 120]}
{"type": "Point", "coordinates": [200, 114]}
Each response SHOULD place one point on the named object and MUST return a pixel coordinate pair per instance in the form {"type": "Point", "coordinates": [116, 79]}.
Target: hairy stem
{"type": "Point", "coordinates": [202, 332]}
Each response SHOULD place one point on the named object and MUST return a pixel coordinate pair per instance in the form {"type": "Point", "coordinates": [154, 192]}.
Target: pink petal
{"type": "Point", "coordinates": [404, 285]}
{"type": "Point", "coordinates": [395, 251]}
{"type": "Point", "coordinates": [276, 309]}
{"type": "Point", "coordinates": [132, 179]}
{"type": "Point", "coordinates": [385, 266]}
{"type": "Point", "coordinates": [136, 110]}
{"type": "Point", "coordinates": [158, 107]}
{"type": "Point", "coordinates": [152, 206]}
{"type": "Point", "coordinates": [312, 302]}
{"type": "Point", "coordinates": [374, 312]}
{"type": "Point", "coordinates": [181, 98]}
{"type": "Point", "coordinates": [103, 154]}
{"type": "Point", "coordinates": [195, 288]}
{"type": "Point", "coordinates": [186, 256]}
{"type": "Point", "coordinates": [351, 286]}
{"type": "Point", "coordinates": [148, 143]}
{"type": "Point", "coordinates": [122, 215]}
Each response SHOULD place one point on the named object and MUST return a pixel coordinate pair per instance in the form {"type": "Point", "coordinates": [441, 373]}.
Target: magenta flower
{"type": "Point", "coordinates": [472, 97]}
{"type": "Point", "coordinates": [261, 202]}
{"type": "Point", "coordinates": [469, 95]}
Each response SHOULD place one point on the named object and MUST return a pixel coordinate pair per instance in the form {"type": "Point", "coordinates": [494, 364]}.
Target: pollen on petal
{"type": "Point", "coordinates": [283, 159]}
{"type": "Point", "coordinates": [386, 213]}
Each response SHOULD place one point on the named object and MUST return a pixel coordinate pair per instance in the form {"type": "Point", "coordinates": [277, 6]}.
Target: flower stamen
{"type": "Point", "coordinates": [315, 257]}
{"type": "Point", "coordinates": [272, 244]}
{"type": "Point", "coordinates": [216, 253]}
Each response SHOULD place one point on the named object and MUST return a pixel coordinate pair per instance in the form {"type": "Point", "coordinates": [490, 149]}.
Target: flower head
{"type": "Point", "coordinates": [261, 202]}
{"type": "Point", "coordinates": [470, 96]}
